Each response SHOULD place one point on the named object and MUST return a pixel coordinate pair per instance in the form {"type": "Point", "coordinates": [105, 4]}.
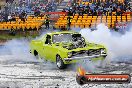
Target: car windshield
{"type": "Point", "coordinates": [66, 37]}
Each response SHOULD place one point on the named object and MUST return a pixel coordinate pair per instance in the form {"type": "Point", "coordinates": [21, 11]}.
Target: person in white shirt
{"type": "Point", "coordinates": [9, 18]}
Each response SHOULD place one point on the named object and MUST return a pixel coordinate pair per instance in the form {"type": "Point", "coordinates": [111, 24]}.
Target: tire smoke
{"type": "Point", "coordinates": [16, 50]}
{"type": "Point", "coordinates": [118, 45]}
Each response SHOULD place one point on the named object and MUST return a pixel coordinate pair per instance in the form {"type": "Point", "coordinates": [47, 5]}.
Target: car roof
{"type": "Point", "coordinates": [63, 32]}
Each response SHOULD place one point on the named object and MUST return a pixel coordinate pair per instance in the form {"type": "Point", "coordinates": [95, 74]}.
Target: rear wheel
{"type": "Point", "coordinates": [59, 62]}
{"type": "Point", "coordinates": [37, 55]}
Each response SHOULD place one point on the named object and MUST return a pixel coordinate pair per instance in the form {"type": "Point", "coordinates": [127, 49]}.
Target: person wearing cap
{"type": "Point", "coordinates": [47, 22]}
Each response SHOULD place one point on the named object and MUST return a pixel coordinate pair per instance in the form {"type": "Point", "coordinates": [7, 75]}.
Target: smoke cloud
{"type": "Point", "coordinates": [118, 45]}
{"type": "Point", "coordinates": [16, 50]}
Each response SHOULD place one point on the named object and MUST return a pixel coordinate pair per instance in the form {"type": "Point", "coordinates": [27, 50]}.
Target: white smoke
{"type": "Point", "coordinates": [16, 50]}
{"type": "Point", "coordinates": [117, 45]}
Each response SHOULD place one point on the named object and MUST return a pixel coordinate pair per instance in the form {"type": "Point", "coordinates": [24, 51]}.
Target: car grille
{"type": "Point", "coordinates": [86, 53]}
{"type": "Point", "coordinates": [94, 52]}
{"type": "Point", "coordinates": [78, 53]}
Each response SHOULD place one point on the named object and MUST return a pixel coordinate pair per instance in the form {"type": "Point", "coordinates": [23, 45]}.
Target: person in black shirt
{"type": "Point", "coordinates": [68, 22]}
{"type": "Point", "coordinates": [47, 23]}
{"type": "Point", "coordinates": [23, 16]}
{"type": "Point", "coordinates": [63, 10]}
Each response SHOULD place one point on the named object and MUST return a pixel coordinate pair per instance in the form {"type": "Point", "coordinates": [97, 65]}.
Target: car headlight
{"type": "Point", "coordinates": [69, 54]}
{"type": "Point", "coordinates": [103, 51]}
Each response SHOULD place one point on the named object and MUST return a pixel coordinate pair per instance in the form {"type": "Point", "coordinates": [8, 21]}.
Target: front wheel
{"type": "Point", "coordinates": [59, 62]}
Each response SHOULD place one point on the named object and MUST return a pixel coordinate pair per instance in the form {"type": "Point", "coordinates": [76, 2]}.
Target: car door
{"type": "Point", "coordinates": [47, 48]}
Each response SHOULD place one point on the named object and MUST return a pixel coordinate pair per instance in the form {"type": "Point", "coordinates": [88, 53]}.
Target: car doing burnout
{"type": "Point", "coordinates": [66, 48]}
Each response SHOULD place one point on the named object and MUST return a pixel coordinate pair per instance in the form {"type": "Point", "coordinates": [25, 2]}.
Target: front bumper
{"type": "Point", "coordinates": [85, 57]}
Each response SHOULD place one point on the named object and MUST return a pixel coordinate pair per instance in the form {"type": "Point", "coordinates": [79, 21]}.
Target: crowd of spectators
{"type": "Point", "coordinates": [8, 17]}
{"type": "Point", "coordinates": [100, 8]}
{"type": "Point", "coordinates": [49, 7]}
{"type": "Point", "coordinates": [35, 9]}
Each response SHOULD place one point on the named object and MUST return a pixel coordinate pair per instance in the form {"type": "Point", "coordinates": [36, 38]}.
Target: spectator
{"type": "Point", "coordinates": [23, 16]}
{"type": "Point", "coordinates": [68, 22]}
{"type": "Point", "coordinates": [102, 7]}
{"type": "Point", "coordinates": [37, 13]}
{"type": "Point", "coordinates": [70, 13]}
{"type": "Point", "coordinates": [47, 22]}
{"type": "Point", "coordinates": [13, 18]}
{"type": "Point", "coordinates": [63, 10]}
{"type": "Point", "coordinates": [94, 13]}
{"type": "Point", "coordinates": [1, 19]}
{"type": "Point", "coordinates": [5, 17]}
{"type": "Point", "coordinates": [9, 18]}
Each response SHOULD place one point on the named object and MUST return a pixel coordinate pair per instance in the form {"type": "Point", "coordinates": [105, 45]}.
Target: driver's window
{"type": "Point", "coordinates": [48, 39]}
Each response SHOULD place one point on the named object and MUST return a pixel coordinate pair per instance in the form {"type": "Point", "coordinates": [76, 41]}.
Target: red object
{"type": "Point", "coordinates": [127, 13]}
{"type": "Point", "coordinates": [55, 13]}
{"type": "Point", "coordinates": [115, 76]}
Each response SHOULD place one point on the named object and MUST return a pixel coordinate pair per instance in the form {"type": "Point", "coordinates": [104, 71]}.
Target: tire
{"type": "Point", "coordinates": [59, 62]}
{"type": "Point", "coordinates": [36, 55]}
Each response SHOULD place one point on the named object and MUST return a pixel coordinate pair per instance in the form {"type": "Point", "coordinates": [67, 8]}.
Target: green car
{"type": "Point", "coordinates": [66, 48]}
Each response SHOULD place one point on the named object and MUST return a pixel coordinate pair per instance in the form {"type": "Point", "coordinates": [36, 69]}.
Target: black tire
{"type": "Point", "coordinates": [36, 55]}
{"type": "Point", "coordinates": [59, 62]}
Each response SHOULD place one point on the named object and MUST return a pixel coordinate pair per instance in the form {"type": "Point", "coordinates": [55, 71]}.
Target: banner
{"type": "Point", "coordinates": [55, 15]}
{"type": "Point", "coordinates": [121, 25]}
